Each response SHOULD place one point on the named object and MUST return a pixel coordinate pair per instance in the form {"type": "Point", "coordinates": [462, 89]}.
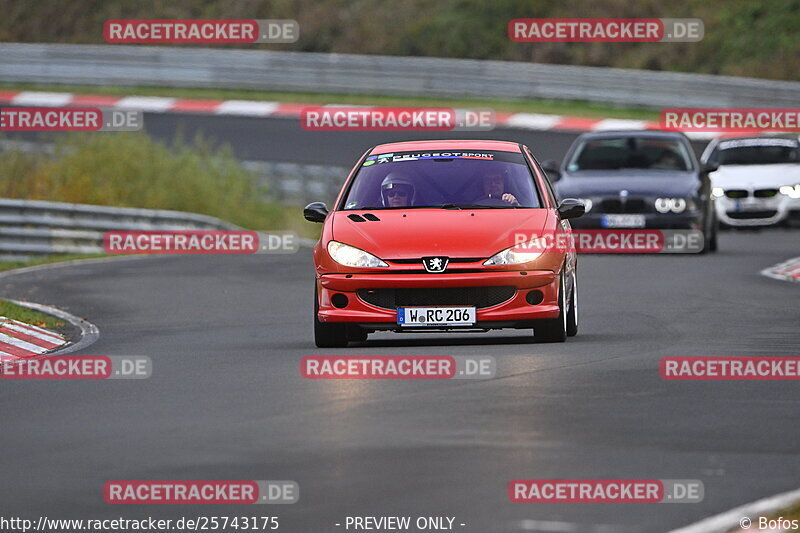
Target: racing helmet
{"type": "Point", "coordinates": [394, 181]}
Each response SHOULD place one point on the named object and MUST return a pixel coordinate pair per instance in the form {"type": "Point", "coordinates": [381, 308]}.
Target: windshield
{"type": "Point", "coordinates": [758, 152]}
{"type": "Point", "coordinates": [614, 153]}
{"type": "Point", "coordinates": [451, 179]}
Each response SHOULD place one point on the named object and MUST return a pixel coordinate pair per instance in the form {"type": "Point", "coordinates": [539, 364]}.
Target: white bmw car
{"type": "Point", "coordinates": [758, 180]}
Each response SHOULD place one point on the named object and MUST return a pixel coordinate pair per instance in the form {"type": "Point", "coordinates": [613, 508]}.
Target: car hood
{"type": "Point", "coordinates": [591, 183]}
{"type": "Point", "coordinates": [753, 176]}
{"type": "Point", "coordinates": [415, 233]}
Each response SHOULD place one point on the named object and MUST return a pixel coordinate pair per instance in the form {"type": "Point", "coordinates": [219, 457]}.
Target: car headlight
{"type": "Point", "coordinates": [791, 192]}
{"type": "Point", "coordinates": [587, 202]}
{"type": "Point", "coordinates": [516, 255]}
{"type": "Point", "coordinates": [718, 192]}
{"type": "Point", "coordinates": [675, 205]}
{"type": "Point", "coordinates": [347, 255]}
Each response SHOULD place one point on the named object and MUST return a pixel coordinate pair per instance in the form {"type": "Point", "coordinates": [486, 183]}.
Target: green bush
{"type": "Point", "coordinates": [133, 170]}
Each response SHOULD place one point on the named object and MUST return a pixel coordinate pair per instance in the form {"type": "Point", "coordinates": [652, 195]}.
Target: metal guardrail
{"type": "Point", "coordinates": [31, 227]}
{"type": "Point", "coordinates": [386, 75]}
{"type": "Point", "coordinates": [298, 184]}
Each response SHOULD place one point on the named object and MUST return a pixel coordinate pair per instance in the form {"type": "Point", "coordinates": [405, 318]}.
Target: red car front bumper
{"type": "Point", "coordinates": [505, 314]}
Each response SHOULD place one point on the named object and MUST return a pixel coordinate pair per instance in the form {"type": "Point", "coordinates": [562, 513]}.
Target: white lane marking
{"type": "Point", "coordinates": [146, 103]}
{"type": "Point", "coordinates": [21, 344]}
{"type": "Point", "coordinates": [701, 135]}
{"type": "Point", "coordinates": [727, 521]}
{"type": "Point", "coordinates": [31, 326]}
{"type": "Point", "coordinates": [620, 124]}
{"type": "Point", "coordinates": [552, 526]}
{"type": "Point", "coordinates": [532, 121]}
{"type": "Point", "coordinates": [246, 107]}
{"type": "Point", "coordinates": [548, 525]}
{"type": "Point", "coordinates": [36, 98]}
{"type": "Point", "coordinates": [785, 271]}
{"type": "Point", "coordinates": [32, 332]}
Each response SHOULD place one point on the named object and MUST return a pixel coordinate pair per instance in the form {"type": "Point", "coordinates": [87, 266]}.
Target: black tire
{"type": "Point", "coordinates": [553, 329]}
{"type": "Point", "coordinates": [327, 335]}
{"type": "Point", "coordinates": [356, 334]}
{"type": "Point", "coordinates": [712, 243]}
{"type": "Point", "coordinates": [572, 315]}
{"type": "Point", "coordinates": [710, 232]}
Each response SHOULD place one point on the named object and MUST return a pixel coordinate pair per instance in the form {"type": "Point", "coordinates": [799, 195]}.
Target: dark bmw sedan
{"type": "Point", "coordinates": [637, 179]}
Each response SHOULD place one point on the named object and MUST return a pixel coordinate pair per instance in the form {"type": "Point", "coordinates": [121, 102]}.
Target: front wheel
{"type": "Point", "coordinates": [712, 243]}
{"type": "Point", "coordinates": [572, 315]}
{"type": "Point", "coordinates": [710, 228]}
{"type": "Point", "coordinates": [356, 334]}
{"type": "Point", "coordinates": [554, 329]}
{"type": "Point", "coordinates": [327, 335]}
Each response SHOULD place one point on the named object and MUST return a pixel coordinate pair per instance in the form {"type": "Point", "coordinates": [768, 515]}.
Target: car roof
{"type": "Point", "coordinates": [409, 146]}
{"type": "Point", "coordinates": [792, 138]}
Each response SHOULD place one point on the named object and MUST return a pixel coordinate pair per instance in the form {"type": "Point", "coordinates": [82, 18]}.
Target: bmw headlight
{"type": "Point", "coordinates": [347, 255]}
{"type": "Point", "coordinates": [516, 255]}
{"type": "Point", "coordinates": [791, 192]}
{"type": "Point", "coordinates": [718, 192]}
{"type": "Point", "coordinates": [587, 202]}
{"type": "Point", "coordinates": [675, 205]}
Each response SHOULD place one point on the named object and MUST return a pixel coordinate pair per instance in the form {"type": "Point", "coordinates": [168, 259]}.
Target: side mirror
{"type": "Point", "coordinates": [571, 208]}
{"type": "Point", "coordinates": [709, 167]}
{"type": "Point", "coordinates": [315, 212]}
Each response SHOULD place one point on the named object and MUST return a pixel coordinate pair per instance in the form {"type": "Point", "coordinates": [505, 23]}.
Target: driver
{"type": "Point", "coordinates": [494, 186]}
{"type": "Point", "coordinates": [668, 161]}
{"type": "Point", "coordinates": [397, 190]}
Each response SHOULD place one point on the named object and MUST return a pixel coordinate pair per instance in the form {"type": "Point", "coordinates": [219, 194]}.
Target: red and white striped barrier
{"type": "Point", "coordinates": [19, 340]}
{"type": "Point", "coordinates": [253, 108]}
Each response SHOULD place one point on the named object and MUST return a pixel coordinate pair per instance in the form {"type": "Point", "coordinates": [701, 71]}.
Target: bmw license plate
{"type": "Point", "coordinates": [436, 316]}
{"type": "Point", "coordinates": [623, 221]}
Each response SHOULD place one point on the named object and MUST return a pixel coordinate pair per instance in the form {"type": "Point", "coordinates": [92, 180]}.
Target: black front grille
{"type": "Point", "coordinates": [747, 215]}
{"type": "Point", "coordinates": [618, 205]}
{"type": "Point", "coordinates": [736, 193]}
{"type": "Point", "coordinates": [765, 193]}
{"type": "Point", "coordinates": [479, 297]}
{"type": "Point", "coordinates": [418, 260]}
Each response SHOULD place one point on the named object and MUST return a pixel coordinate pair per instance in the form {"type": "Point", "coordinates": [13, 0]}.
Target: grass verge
{"type": "Point", "coordinates": [554, 107]}
{"type": "Point", "coordinates": [10, 265]}
{"type": "Point", "coordinates": [29, 316]}
{"type": "Point", "coordinates": [23, 314]}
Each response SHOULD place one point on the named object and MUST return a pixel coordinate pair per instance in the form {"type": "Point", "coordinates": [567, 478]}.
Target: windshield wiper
{"type": "Point", "coordinates": [467, 206]}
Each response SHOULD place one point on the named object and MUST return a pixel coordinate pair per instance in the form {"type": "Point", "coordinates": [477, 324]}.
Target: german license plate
{"type": "Point", "coordinates": [623, 221]}
{"type": "Point", "coordinates": [436, 316]}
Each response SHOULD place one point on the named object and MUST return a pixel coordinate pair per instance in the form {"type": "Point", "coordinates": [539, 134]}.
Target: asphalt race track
{"type": "Point", "coordinates": [226, 400]}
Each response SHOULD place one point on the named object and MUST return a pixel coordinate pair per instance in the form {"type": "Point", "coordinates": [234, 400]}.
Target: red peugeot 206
{"type": "Point", "coordinates": [434, 235]}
